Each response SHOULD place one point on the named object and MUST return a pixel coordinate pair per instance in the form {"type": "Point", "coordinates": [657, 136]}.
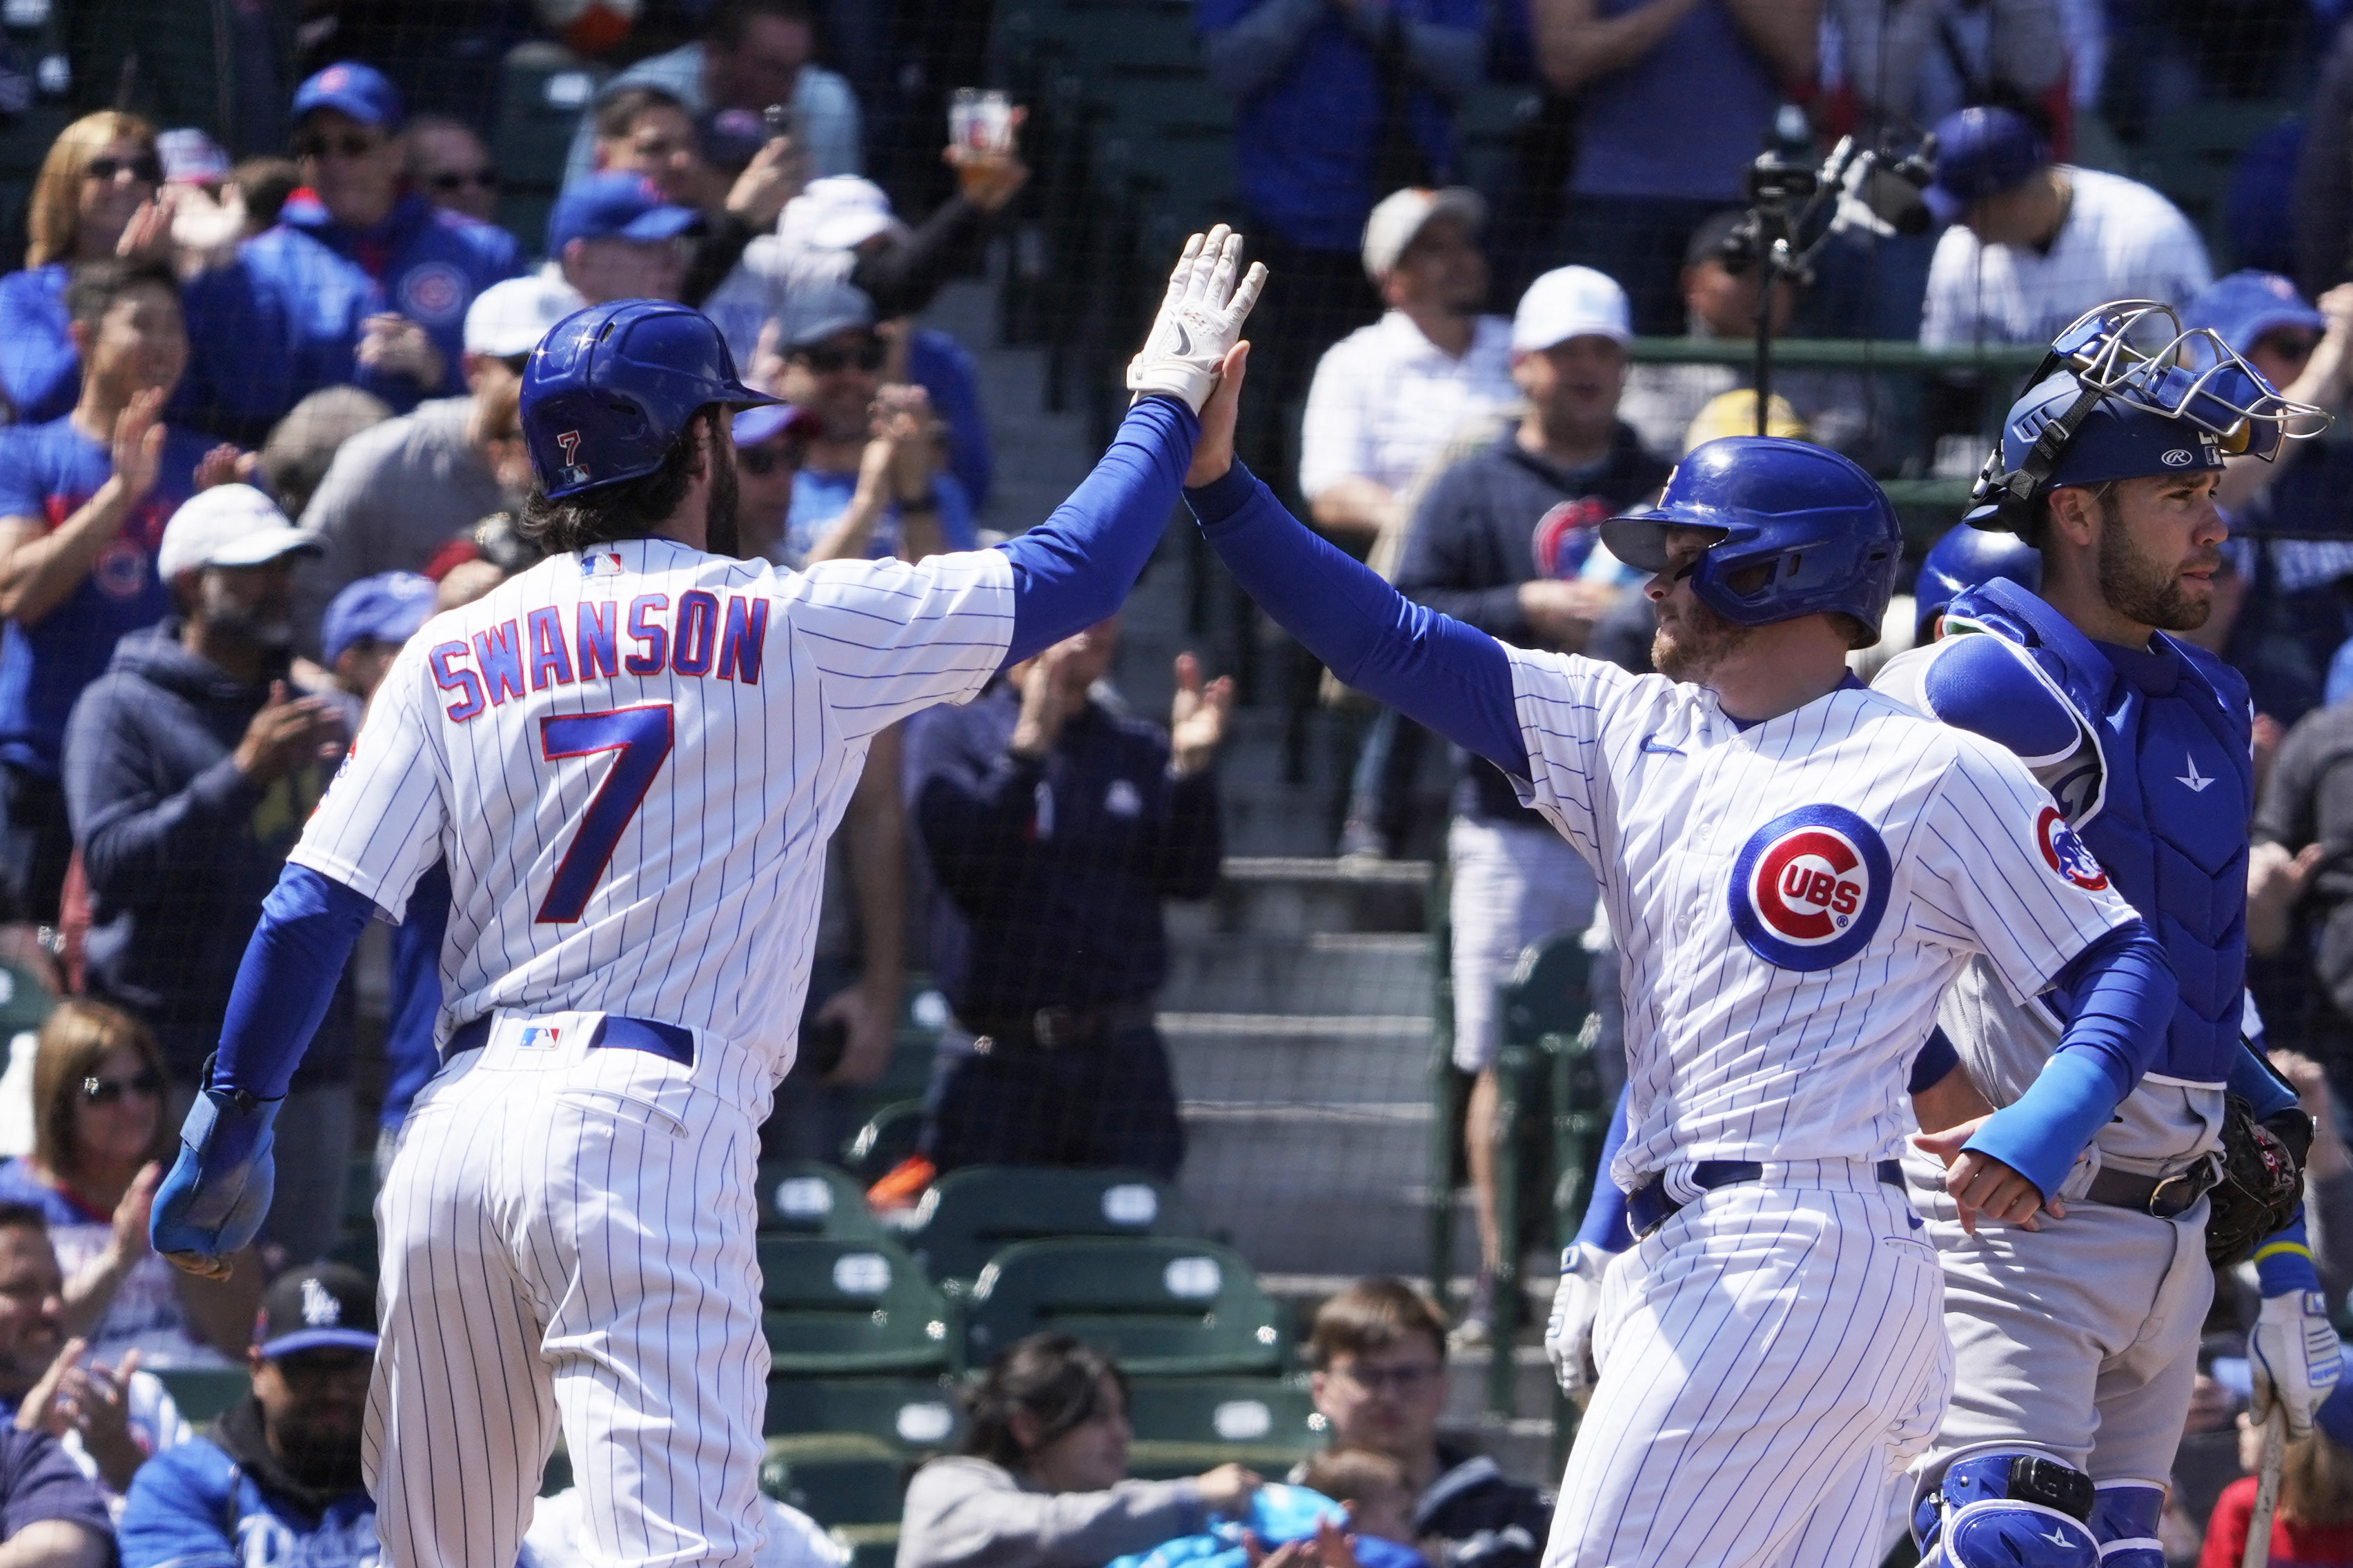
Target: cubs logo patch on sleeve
{"type": "Point", "coordinates": [1809, 887]}
{"type": "Point", "coordinates": [2065, 854]}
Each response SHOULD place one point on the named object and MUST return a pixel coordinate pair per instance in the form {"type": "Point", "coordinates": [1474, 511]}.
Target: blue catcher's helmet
{"type": "Point", "coordinates": [2126, 392]}
{"type": "Point", "coordinates": [1964, 559]}
{"type": "Point", "coordinates": [609, 388]}
{"type": "Point", "coordinates": [1822, 529]}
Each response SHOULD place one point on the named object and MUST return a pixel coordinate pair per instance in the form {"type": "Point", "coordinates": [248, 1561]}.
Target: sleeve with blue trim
{"type": "Point", "coordinates": [2257, 1082]}
{"type": "Point", "coordinates": [1429, 667]}
{"type": "Point", "coordinates": [309, 925]}
{"type": "Point", "coordinates": [2124, 994]}
{"type": "Point", "coordinates": [1075, 569]}
{"type": "Point", "coordinates": [1605, 1214]}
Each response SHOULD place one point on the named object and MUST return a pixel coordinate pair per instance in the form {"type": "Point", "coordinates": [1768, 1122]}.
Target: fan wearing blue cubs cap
{"type": "Point", "coordinates": [2030, 239]}
{"type": "Point", "coordinates": [629, 758]}
{"type": "Point", "coordinates": [2075, 1345]}
{"type": "Point", "coordinates": [2303, 349]}
{"type": "Point", "coordinates": [361, 281]}
{"type": "Point", "coordinates": [615, 237]}
{"type": "Point", "coordinates": [1794, 867]}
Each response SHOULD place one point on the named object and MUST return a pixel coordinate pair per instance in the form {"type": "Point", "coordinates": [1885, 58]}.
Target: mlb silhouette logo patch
{"type": "Point", "coordinates": [1810, 887]}
{"type": "Point", "coordinates": [541, 1037]}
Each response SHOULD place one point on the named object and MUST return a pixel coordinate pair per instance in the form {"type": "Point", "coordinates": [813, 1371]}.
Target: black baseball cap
{"type": "Point", "coordinates": [326, 1306]}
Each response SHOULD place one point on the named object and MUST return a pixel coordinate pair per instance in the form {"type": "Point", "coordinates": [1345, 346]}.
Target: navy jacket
{"type": "Point", "coordinates": [1474, 544]}
{"type": "Point", "coordinates": [284, 319]}
{"type": "Point", "coordinates": [179, 848]}
{"type": "Point", "coordinates": [1050, 873]}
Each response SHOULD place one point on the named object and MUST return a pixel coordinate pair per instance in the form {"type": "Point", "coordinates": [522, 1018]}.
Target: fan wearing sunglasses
{"type": "Point", "coordinates": [362, 281]}
{"type": "Point", "coordinates": [832, 362]}
{"type": "Point", "coordinates": [448, 162]}
{"type": "Point", "coordinates": [2305, 351]}
{"type": "Point", "coordinates": [100, 1128]}
{"type": "Point", "coordinates": [98, 173]}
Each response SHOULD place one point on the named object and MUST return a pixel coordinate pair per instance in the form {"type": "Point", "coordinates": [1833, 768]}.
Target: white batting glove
{"type": "Point", "coordinates": [1568, 1333]}
{"type": "Point", "coordinates": [2293, 1351]}
{"type": "Point", "coordinates": [1200, 320]}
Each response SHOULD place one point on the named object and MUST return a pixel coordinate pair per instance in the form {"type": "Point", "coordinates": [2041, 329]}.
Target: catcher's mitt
{"type": "Point", "coordinates": [2261, 1180]}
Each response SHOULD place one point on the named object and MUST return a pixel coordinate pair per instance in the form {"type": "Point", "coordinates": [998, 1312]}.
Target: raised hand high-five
{"type": "Point", "coordinates": [1200, 319]}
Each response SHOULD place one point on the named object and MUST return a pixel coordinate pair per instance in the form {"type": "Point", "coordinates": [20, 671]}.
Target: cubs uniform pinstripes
{"type": "Point", "coordinates": [1789, 898]}
{"type": "Point", "coordinates": [630, 758]}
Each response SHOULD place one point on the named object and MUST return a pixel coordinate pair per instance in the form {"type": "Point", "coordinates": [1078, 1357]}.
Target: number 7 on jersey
{"type": "Point", "coordinates": [643, 736]}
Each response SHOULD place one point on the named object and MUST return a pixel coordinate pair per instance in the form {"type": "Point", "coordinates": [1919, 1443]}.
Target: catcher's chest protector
{"type": "Point", "coordinates": [2164, 804]}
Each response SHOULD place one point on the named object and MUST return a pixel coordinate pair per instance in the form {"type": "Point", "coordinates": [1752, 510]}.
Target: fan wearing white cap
{"type": "Point", "coordinates": [1501, 540]}
{"type": "Point", "coordinates": [1389, 397]}
{"type": "Point", "coordinates": [396, 493]}
{"type": "Point", "coordinates": [191, 765]}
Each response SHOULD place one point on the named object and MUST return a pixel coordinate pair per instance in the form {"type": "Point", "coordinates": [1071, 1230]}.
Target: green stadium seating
{"type": "Point", "coordinates": [1162, 1305]}
{"type": "Point", "coordinates": [804, 1197]}
{"type": "Point", "coordinates": [204, 1392]}
{"type": "Point", "coordinates": [971, 1214]}
{"type": "Point", "coordinates": [915, 1415]}
{"type": "Point", "coordinates": [869, 1545]}
{"type": "Point", "coordinates": [837, 1306]}
{"type": "Point", "coordinates": [1185, 1426]}
{"type": "Point", "coordinates": [543, 92]}
{"type": "Point", "coordinates": [888, 1137]}
{"type": "Point", "coordinates": [24, 1002]}
{"type": "Point", "coordinates": [835, 1479]}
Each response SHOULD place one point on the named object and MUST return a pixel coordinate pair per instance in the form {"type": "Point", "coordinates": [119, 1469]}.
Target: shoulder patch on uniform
{"type": "Point", "coordinates": [2065, 854]}
{"type": "Point", "coordinates": [1980, 683]}
{"type": "Point", "coordinates": [1810, 887]}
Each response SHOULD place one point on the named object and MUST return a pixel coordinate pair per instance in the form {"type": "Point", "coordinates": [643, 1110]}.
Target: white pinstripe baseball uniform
{"type": "Point", "coordinates": [1789, 898]}
{"type": "Point", "coordinates": [630, 758]}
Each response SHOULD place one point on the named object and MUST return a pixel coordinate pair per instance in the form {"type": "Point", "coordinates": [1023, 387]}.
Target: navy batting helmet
{"type": "Point", "coordinates": [2126, 392]}
{"type": "Point", "coordinates": [1822, 529]}
{"type": "Point", "coordinates": [609, 388]}
{"type": "Point", "coordinates": [1964, 559]}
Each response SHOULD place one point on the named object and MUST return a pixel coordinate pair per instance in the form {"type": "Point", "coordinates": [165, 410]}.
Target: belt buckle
{"type": "Point", "coordinates": [2163, 1206]}
{"type": "Point", "coordinates": [1054, 1026]}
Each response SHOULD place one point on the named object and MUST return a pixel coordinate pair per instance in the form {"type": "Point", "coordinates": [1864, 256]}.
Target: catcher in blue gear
{"type": "Point", "coordinates": [2076, 1343]}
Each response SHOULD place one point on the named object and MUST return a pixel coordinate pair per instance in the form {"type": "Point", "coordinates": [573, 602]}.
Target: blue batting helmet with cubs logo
{"type": "Point", "coordinates": [1820, 528]}
{"type": "Point", "coordinates": [609, 388]}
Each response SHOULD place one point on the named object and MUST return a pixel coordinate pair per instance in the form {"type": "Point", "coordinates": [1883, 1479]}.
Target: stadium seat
{"type": "Point", "coordinates": [805, 1197]}
{"type": "Point", "coordinates": [969, 1215]}
{"type": "Point", "coordinates": [1162, 1305]}
{"type": "Point", "coordinates": [915, 1415]}
{"type": "Point", "coordinates": [24, 1002]}
{"type": "Point", "coordinates": [840, 1306]}
{"type": "Point", "coordinates": [1185, 1426]}
{"type": "Point", "coordinates": [867, 1545]}
{"type": "Point", "coordinates": [888, 1137]}
{"type": "Point", "coordinates": [835, 1479]}
{"type": "Point", "coordinates": [543, 92]}
{"type": "Point", "coordinates": [204, 1392]}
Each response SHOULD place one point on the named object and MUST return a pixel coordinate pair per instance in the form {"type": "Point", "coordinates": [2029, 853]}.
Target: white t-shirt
{"type": "Point", "coordinates": [1385, 400]}
{"type": "Point", "coordinates": [2121, 240]}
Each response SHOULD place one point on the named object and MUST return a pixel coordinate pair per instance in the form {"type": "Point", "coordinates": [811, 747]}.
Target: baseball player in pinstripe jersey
{"type": "Point", "coordinates": [630, 757]}
{"type": "Point", "coordinates": [2077, 1344]}
{"type": "Point", "coordinates": [1795, 867]}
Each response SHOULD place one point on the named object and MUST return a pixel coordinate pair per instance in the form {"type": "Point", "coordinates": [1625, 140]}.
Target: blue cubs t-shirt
{"type": "Point", "coordinates": [820, 499]}
{"type": "Point", "coordinates": [49, 472]}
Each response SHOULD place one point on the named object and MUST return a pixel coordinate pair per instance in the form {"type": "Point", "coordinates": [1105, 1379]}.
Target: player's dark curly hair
{"type": "Point", "coordinates": [632, 509]}
{"type": "Point", "coordinates": [1057, 1378]}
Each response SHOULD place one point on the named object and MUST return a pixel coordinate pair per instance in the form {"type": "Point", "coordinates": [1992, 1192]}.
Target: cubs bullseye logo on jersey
{"type": "Point", "coordinates": [2065, 854]}
{"type": "Point", "coordinates": [1809, 887]}
{"type": "Point", "coordinates": [435, 293]}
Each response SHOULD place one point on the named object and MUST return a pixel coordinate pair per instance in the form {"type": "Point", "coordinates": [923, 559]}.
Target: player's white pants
{"type": "Point", "coordinates": [1771, 1359]}
{"type": "Point", "coordinates": [569, 1233]}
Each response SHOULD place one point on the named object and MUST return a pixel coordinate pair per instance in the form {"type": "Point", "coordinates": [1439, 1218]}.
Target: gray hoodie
{"type": "Point", "coordinates": [969, 1513]}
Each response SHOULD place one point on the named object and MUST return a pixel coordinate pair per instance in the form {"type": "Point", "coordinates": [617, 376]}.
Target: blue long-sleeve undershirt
{"type": "Point", "coordinates": [1430, 668]}
{"type": "Point", "coordinates": [1605, 1213]}
{"type": "Point", "coordinates": [2284, 1262]}
{"type": "Point", "coordinates": [1073, 569]}
{"type": "Point", "coordinates": [1069, 572]}
{"type": "Point", "coordinates": [2124, 994]}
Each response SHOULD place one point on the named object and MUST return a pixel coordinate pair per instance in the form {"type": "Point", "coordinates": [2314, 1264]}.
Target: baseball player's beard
{"type": "Point", "coordinates": [1692, 644]}
{"type": "Point", "coordinates": [2139, 588]}
{"type": "Point", "coordinates": [720, 536]}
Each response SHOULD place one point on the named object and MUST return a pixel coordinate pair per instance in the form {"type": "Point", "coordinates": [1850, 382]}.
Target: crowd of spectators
{"type": "Point", "coordinates": [261, 399]}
